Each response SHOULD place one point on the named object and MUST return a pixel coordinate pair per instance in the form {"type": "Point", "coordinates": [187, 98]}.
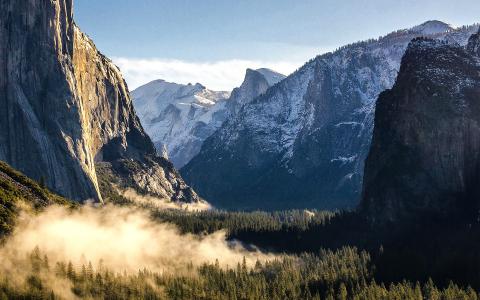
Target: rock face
{"type": "Point", "coordinates": [180, 117]}
{"type": "Point", "coordinates": [256, 83]}
{"type": "Point", "coordinates": [65, 107]}
{"type": "Point", "coordinates": [303, 143]}
{"type": "Point", "coordinates": [474, 44]}
{"type": "Point", "coordinates": [425, 155]}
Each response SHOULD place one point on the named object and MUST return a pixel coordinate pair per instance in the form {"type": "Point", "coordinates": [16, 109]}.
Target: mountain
{"type": "Point", "coordinates": [179, 117]}
{"type": "Point", "coordinates": [304, 142]}
{"type": "Point", "coordinates": [431, 27]}
{"type": "Point", "coordinates": [425, 155]}
{"type": "Point", "coordinates": [256, 83]}
{"type": "Point", "coordinates": [65, 109]}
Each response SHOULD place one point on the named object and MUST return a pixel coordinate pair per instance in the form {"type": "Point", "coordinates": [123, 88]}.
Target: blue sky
{"type": "Point", "coordinates": [213, 41]}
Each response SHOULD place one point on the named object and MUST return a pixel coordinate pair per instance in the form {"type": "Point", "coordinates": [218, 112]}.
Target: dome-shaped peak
{"type": "Point", "coordinates": [251, 74]}
{"type": "Point", "coordinates": [432, 27]}
{"type": "Point", "coordinates": [265, 70]}
{"type": "Point", "coordinates": [270, 76]}
{"type": "Point", "coordinates": [200, 86]}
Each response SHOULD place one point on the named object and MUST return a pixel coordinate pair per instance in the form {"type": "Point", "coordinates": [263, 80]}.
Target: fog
{"type": "Point", "coordinates": [155, 202]}
{"type": "Point", "coordinates": [120, 239]}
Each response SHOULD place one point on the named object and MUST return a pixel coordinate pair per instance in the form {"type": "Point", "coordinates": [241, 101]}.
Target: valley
{"type": "Point", "coordinates": [354, 177]}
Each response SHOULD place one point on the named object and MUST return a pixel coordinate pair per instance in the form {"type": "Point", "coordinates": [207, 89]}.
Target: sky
{"type": "Point", "coordinates": [213, 41]}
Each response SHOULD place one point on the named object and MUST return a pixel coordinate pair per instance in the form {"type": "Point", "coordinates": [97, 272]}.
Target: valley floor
{"type": "Point", "coordinates": [294, 262]}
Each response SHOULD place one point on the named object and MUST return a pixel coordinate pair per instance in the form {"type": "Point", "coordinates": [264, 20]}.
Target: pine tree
{"type": "Point", "coordinates": [342, 292]}
{"type": "Point", "coordinates": [71, 271]}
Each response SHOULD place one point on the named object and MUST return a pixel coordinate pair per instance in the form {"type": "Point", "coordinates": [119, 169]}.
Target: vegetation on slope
{"type": "Point", "coordinates": [18, 191]}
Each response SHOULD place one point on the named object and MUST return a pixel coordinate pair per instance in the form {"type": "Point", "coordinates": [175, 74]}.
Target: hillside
{"type": "Point", "coordinates": [20, 192]}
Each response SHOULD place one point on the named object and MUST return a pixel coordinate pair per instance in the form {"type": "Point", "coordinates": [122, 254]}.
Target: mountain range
{"type": "Point", "coordinates": [275, 142]}
{"type": "Point", "coordinates": [179, 118]}
{"type": "Point", "coordinates": [303, 143]}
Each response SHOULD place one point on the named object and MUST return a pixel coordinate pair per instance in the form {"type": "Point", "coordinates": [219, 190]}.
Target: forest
{"type": "Point", "coordinates": [318, 255]}
{"type": "Point", "coordinates": [342, 274]}
{"type": "Point", "coordinates": [440, 248]}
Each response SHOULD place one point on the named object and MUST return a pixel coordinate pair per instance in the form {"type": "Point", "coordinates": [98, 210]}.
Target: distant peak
{"type": "Point", "coordinates": [434, 23]}
{"type": "Point", "coordinates": [432, 27]}
{"type": "Point", "coordinates": [200, 86]}
{"type": "Point", "coordinates": [270, 76]}
{"type": "Point", "coordinates": [157, 81]}
{"type": "Point", "coordinates": [265, 70]}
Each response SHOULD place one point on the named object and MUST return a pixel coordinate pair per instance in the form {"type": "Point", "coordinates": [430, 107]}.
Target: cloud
{"type": "Point", "coordinates": [220, 75]}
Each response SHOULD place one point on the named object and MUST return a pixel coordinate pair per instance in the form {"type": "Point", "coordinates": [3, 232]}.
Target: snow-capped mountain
{"type": "Point", "coordinates": [304, 142]}
{"type": "Point", "coordinates": [179, 117]}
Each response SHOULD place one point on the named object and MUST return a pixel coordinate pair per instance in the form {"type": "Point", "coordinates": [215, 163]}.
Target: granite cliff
{"type": "Point", "coordinates": [65, 108]}
{"type": "Point", "coordinates": [425, 154]}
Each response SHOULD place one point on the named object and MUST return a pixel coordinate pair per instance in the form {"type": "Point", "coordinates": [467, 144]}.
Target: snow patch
{"type": "Point", "coordinates": [344, 160]}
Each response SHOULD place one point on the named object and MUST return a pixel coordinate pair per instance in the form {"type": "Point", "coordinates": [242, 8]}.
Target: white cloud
{"type": "Point", "coordinates": [219, 75]}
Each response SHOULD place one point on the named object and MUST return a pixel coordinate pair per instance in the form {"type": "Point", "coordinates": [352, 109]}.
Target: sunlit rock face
{"type": "Point", "coordinates": [65, 107]}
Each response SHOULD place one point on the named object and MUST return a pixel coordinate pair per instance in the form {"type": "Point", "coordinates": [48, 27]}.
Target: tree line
{"type": "Point", "coordinates": [342, 274]}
